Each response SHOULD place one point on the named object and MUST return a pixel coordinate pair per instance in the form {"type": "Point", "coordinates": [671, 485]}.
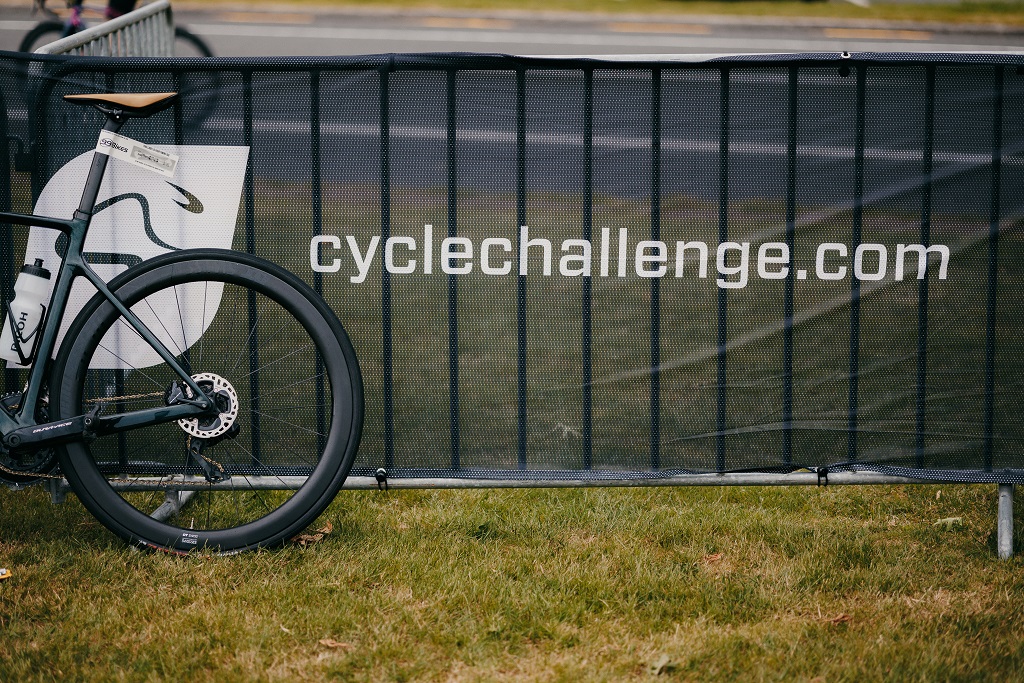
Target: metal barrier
{"type": "Point", "coordinates": [145, 32]}
{"type": "Point", "coordinates": [712, 132]}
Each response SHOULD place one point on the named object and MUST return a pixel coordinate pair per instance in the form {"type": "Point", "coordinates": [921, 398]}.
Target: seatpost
{"type": "Point", "coordinates": [99, 164]}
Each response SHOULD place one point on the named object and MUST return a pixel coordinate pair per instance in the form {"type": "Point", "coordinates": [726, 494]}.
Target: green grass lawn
{"type": "Point", "coordinates": [692, 584]}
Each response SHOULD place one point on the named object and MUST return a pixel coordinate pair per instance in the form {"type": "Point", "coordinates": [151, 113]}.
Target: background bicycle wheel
{"type": "Point", "coordinates": [198, 89]}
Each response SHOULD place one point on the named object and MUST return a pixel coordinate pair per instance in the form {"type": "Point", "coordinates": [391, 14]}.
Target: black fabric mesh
{"type": "Point", "coordinates": [567, 377]}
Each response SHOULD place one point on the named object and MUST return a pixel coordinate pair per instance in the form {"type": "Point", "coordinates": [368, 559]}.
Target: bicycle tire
{"type": "Point", "coordinates": [185, 36]}
{"type": "Point", "coordinates": [297, 394]}
{"type": "Point", "coordinates": [32, 39]}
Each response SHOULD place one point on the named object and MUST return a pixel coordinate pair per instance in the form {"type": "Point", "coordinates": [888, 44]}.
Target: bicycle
{"type": "Point", "coordinates": [202, 400]}
{"type": "Point", "coordinates": [55, 27]}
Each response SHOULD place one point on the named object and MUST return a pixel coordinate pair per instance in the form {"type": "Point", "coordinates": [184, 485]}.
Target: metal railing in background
{"type": "Point", "coordinates": [145, 32]}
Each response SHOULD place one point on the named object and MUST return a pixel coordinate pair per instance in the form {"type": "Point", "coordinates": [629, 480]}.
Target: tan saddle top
{"type": "Point", "coordinates": [131, 104]}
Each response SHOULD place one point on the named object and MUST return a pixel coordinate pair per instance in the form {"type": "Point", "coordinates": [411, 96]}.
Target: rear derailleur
{"type": "Point", "coordinates": [212, 427]}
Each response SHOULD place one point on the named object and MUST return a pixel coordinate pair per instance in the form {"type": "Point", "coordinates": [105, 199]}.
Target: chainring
{"type": "Point", "coordinates": [25, 467]}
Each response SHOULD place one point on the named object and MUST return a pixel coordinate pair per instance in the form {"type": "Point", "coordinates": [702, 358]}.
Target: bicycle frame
{"type": "Point", "coordinates": [21, 429]}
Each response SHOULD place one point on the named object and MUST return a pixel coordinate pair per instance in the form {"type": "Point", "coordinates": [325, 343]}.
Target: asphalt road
{"type": "Point", "coordinates": [297, 32]}
{"type": "Point", "coordinates": [622, 135]}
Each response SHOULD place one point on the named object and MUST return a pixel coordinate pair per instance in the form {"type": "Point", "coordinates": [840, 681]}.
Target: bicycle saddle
{"type": "Point", "coordinates": [137, 105]}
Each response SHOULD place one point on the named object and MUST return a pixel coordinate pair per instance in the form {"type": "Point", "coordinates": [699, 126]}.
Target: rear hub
{"type": "Point", "coordinates": [213, 427]}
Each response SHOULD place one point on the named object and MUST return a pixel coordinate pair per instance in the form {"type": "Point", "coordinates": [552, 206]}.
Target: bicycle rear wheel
{"type": "Point", "coordinates": [281, 370]}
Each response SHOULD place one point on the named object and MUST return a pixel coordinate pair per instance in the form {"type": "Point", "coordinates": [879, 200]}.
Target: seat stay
{"type": "Point", "coordinates": [83, 268]}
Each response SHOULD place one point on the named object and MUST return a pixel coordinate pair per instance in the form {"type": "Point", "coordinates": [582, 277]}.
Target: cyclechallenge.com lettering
{"type": "Point", "coordinates": [731, 264]}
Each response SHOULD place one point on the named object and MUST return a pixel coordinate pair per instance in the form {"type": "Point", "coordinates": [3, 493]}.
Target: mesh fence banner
{"type": "Point", "coordinates": [598, 269]}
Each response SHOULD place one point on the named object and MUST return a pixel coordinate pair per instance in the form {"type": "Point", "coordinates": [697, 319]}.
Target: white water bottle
{"type": "Point", "coordinates": [30, 291]}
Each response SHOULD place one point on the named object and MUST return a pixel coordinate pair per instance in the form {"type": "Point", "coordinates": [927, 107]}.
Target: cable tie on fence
{"type": "Point", "coordinates": [822, 473]}
{"type": "Point", "coordinates": [381, 475]}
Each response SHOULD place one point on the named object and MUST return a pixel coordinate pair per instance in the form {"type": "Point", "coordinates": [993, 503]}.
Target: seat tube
{"type": "Point", "coordinates": [99, 165]}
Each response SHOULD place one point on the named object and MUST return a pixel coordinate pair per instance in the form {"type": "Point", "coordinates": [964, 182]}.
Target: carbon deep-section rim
{"type": "Point", "coordinates": [272, 345]}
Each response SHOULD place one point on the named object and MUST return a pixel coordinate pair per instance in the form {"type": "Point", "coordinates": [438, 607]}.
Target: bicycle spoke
{"type": "Point", "coordinates": [277, 360]}
{"type": "Point", "coordinates": [289, 424]}
{"type": "Point", "coordinates": [181, 321]}
{"type": "Point", "coordinates": [293, 384]}
{"type": "Point", "coordinates": [257, 460]}
{"type": "Point", "coordinates": [164, 327]}
{"type": "Point", "coordinates": [254, 490]}
{"type": "Point", "coordinates": [155, 383]}
{"type": "Point", "coordinates": [202, 329]}
{"type": "Point", "coordinates": [248, 341]}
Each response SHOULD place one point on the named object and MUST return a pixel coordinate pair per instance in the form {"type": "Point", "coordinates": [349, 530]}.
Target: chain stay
{"type": "Point", "coordinates": [106, 399]}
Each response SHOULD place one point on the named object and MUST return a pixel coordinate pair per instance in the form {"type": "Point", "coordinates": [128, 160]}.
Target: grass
{"type": "Point", "coordinates": [967, 11]}
{"type": "Point", "coordinates": [554, 585]}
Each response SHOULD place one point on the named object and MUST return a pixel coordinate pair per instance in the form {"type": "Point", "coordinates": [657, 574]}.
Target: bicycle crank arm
{"type": "Point", "coordinates": [48, 434]}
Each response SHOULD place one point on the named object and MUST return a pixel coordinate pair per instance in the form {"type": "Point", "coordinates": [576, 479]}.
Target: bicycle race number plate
{"type": "Point", "coordinates": [126, 149]}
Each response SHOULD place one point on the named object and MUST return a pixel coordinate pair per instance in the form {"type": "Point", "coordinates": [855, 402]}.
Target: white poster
{"type": "Point", "coordinates": [140, 215]}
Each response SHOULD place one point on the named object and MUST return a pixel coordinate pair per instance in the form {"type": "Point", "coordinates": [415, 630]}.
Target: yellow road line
{"type": "Point", "coordinates": [466, 22]}
{"type": "Point", "coordinates": [653, 27]}
{"type": "Point", "coordinates": [877, 34]}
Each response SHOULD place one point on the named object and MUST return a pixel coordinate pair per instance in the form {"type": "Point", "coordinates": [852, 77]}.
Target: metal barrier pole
{"type": "Point", "coordinates": [1004, 524]}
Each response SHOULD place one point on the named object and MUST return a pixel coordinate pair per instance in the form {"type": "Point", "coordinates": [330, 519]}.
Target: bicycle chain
{"type": "Point", "coordinates": [112, 399]}
{"type": "Point", "coordinates": [213, 462]}
{"type": "Point", "coordinates": [39, 475]}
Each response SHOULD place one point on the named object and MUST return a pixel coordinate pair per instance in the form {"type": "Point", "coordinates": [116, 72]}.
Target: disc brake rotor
{"type": "Point", "coordinates": [226, 399]}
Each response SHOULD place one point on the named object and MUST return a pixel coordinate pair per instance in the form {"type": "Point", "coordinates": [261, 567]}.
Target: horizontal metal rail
{"type": "Point", "coordinates": [194, 483]}
{"type": "Point", "coordinates": [145, 32]}
{"type": "Point", "coordinates": [179, 492]}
